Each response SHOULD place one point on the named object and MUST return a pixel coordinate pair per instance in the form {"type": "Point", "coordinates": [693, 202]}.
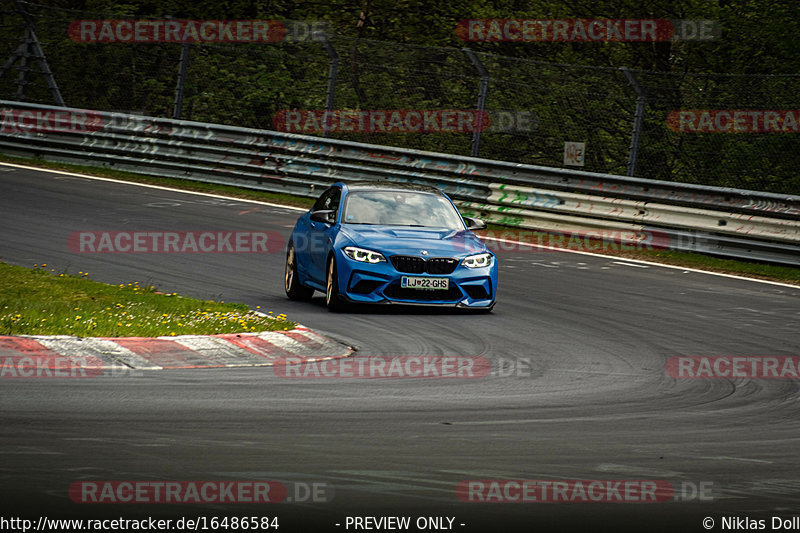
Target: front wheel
{"type": "Point", "coordinates": [294, 290]}
{"type": "Point", "coordinates": [333, 299]}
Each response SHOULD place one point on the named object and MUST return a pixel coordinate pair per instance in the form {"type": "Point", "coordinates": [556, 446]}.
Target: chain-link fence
{"type": "Point", "coordinates": [626, 118]}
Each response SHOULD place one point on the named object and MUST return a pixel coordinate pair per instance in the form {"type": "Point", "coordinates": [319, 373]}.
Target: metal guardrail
{"type": "Point", "coordinates": [726, 222]}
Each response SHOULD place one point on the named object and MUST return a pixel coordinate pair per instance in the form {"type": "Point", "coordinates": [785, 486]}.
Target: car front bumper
{"type": "Point", "coordinates": [379, 283]}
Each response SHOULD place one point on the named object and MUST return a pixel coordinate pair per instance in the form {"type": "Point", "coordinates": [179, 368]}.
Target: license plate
{"type": "Point", "coordinates": [408, 282]}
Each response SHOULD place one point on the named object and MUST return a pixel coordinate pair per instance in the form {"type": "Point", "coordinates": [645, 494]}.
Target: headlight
{"type": "Point", "coordinates": [477, 260]}
{"type": "Point", "coordinates": [365, 256]}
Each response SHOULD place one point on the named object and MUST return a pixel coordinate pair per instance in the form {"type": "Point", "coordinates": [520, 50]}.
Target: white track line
{"type": "Point", "coordinates": [629, 264]}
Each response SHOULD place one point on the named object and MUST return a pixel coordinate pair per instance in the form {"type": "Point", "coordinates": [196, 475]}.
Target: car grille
{"type": "Point", "coordinates": [395, 291]}
{"type": "Point", "coordinates": [409, 264]}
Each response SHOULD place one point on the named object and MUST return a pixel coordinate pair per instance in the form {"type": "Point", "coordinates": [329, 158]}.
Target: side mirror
{"type": "Point", "coordinates": [326, 216]}
{"type": "Point", "coordinates": [474, 223]}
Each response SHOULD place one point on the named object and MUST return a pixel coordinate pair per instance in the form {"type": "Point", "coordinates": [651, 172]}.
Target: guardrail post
{"type": "Point", "coordinates": [483, 91]}
{"type": "Point", "coordinates": [638, 120]}
{"type": "Point", "coordinates": [183, 66]}
{"type": "Point", "coordinates": [333, 72]}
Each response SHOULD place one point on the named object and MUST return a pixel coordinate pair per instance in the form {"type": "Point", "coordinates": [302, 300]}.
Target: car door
{"type": "Point", "coordinates": [321, 235]}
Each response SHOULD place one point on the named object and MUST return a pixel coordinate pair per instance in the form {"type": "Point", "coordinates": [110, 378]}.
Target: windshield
{"type": "Point", "coordinates": [401, 208]}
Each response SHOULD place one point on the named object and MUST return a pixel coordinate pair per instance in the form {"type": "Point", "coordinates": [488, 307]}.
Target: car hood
{"type": "Point", "coordinates": [392, 240]}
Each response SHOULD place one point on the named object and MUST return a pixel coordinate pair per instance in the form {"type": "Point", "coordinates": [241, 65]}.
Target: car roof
{"type": "Point", "coordinates": [390, 186]}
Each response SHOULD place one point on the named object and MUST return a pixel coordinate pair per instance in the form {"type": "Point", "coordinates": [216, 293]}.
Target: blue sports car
{"type": "Point", "coordinates": [389, 243]}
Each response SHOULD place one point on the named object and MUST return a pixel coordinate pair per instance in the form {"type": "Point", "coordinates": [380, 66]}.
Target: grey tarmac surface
{"type": "Point", "coordinates": [588, 338]}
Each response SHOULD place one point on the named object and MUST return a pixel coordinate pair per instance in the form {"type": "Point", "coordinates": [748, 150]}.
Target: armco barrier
{"type": "Point", "coordinates": [727, 222]}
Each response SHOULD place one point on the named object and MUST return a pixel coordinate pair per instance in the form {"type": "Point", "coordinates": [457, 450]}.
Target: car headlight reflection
{"type": "Point", "coordinates": [477, 260]}
{"type": "Point", "coordinates": [362, 255]}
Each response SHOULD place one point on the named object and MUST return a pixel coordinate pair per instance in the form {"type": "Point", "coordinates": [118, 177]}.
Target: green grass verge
{"type": "Point", "coordinates": [785, 274]}
{"type": "Point", "coordinates": [40, 301]}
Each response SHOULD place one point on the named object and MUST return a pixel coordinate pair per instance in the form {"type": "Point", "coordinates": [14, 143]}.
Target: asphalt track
{"type": "Point", "coordinates": [591, 401]}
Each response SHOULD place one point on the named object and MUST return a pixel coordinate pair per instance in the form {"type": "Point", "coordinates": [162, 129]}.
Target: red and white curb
{"type": "Point", "coordinates": [158, 353]}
